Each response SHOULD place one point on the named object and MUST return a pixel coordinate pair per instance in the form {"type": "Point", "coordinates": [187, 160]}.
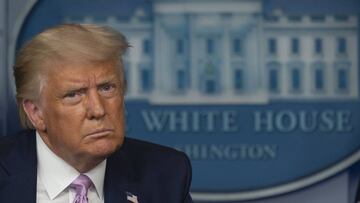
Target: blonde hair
{"type": "Point", "coordinates": [60, 45]}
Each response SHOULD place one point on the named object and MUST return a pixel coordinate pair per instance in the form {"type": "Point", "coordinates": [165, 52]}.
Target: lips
{"type": "Point", "coordinates": [100, 133]}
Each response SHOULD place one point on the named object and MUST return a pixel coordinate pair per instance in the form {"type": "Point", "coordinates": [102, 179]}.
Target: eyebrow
{"type": "Point", "coordinates": [108, 81]}
{"type": "Point", "coordinates": [70, 90]}
{"type": "Point", "coordinates": [105, 82]}
{"type": "Point", "coordinates": [83, 87]}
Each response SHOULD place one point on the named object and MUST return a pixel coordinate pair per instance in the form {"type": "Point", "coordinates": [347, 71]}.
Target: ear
{"type": "Point", "coordinates": [35, 114]}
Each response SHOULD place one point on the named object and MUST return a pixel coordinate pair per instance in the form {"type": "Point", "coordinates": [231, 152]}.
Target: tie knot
{"type": "Point", "coordinates": [81, 184]}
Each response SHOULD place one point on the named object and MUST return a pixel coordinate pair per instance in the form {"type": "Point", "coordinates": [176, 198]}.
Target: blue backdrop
{"type": "Point", "coordinates": [263, 96]}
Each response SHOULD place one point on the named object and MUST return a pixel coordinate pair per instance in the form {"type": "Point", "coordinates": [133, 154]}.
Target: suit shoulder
{"type": "Point", "coordinates": [17, 152]}
{"type": "Point", "coordinates": [162, 167]}
{"type": "Point", "coordinates": [152, 149]}
{"type": "Point", "coordinates": [151, 155]}
{"type": "Point", "coordinates": [19, 143]}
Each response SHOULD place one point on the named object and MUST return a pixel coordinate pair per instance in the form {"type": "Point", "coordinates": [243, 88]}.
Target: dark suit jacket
{"type": "Point", "coordinates": [152, 172]}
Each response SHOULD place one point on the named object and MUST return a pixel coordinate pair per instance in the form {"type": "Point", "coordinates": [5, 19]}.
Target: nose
{"type": "Point", "coordinates": [95, 107]}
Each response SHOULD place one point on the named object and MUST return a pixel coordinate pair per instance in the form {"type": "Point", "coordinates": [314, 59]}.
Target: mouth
{"type": "Point", "coordinates": [99, 133]}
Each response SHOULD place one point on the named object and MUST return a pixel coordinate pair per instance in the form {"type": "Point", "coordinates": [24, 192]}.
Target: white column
{"type": "Point", "coordinates": [252, 58]}
{"type": "Point", "coordinates": [194, 76]}
{"type": "Point", "coordinates": [307, 79]}
{"type": "Point", "coordinates": [329, 53]}
{"type": "Point", "coordinates": [262, 70]}
{"type": "Point", "coordinates": [134, 61]}
{"type": "Point", "coordinates": [283, 50]}
{"type": "Point", "coordinates": [166, 66]}
{"type": "Point", "coordinates": [353, 56]}
{"type": "Point", "coordinates": [159, 48]}
{"type": "Point", "coordinates": [133, 72]}
{"type": "Point", "coordinates": [226, 71]}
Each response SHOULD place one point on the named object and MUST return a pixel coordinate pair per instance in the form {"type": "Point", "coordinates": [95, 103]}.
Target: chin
{"type": "Point", "coordinates": [104, 148]}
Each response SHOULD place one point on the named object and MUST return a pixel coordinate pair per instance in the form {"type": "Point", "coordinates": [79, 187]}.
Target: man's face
{"type": "Point", "coordinates": [82, 107]}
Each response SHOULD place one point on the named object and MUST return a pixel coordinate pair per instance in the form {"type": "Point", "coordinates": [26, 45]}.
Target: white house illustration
{"type": "Point", "coordinates": [213, 52]}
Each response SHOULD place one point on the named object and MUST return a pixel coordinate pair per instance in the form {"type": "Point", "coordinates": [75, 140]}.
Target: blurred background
{"type": "Point", "coordinates": [262, 95]}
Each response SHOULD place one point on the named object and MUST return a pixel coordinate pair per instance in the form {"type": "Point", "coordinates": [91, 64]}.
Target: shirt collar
{"type": "Point", "coordinates": [56, 174]}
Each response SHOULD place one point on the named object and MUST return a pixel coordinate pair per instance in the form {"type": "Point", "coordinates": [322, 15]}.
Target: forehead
{"type": "Point", "coordinates": [83, 72]}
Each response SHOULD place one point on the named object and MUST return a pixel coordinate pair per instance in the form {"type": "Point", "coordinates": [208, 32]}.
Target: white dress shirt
{"type": "Point", "coordinates": [54, 176]}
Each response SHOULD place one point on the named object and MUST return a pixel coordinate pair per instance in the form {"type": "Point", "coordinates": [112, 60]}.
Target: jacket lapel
{"type": "Point", "coordinates": [120, 178]}
{"type": "Point", "coordinates": [20, 167]}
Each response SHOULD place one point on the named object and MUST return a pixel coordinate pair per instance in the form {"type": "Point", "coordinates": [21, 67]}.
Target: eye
{"type": "Point", "coordinates": [72, 97]}
{"type": "Point", "coordinates": [107, 89]}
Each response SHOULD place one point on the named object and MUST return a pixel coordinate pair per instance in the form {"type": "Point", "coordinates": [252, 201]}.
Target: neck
{"type": "Point", "coordinates": [81, 162]}
{"type": "Point", "coordinates": [84, 167]}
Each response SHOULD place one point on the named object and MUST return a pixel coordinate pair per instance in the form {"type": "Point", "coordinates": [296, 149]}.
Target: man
{"type": "Point", "coordinates": [70, 89]}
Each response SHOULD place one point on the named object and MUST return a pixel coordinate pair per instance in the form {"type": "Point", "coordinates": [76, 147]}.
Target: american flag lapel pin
{"type": "Point", "coordinates": [131, 197]}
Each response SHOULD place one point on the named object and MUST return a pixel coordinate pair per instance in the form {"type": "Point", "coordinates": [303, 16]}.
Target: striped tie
{"type": "Point", "coordinates": [81, 185]}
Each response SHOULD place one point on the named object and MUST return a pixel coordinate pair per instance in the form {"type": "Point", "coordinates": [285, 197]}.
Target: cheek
{"type": "Point", "coordinates": [73, 115]}
{"type": "Point", "coordinates": [116, 114]}
{"type": "Point", "coordinates": [115, 106]}
{"type": "Point", "coordinates": [66, 119]}
{"type": "Point", "coordinates": [117, 117]}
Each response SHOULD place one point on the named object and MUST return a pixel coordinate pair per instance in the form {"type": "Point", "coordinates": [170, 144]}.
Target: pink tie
{"type": "Point", "coordinates": [81, 185]}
